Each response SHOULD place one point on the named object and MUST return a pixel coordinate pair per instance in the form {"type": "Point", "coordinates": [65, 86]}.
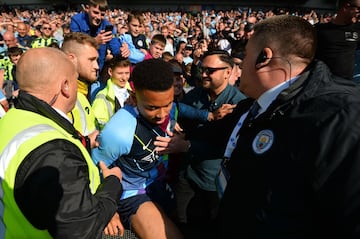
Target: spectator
{"type": "Point", "coordinates": [148, 34]}
{"type": "Point", "coordinates": [179, 80]}
{"type": "Point", "coordinates": [135, 26]}
{"type": "Point", "coordinates": [196, 195]}
{"type": "Point", "coordinates": [92, 22]}
{"type": "Point", "coordinates": [10, 40]}
{"type": "Point", "coordinates": [248, 31]}
{"type": "Point", "coordinates": [51, 187]}
{"type": "Point", "coordinates": [156, 47]}
{"type": "Point", "coordinates": [61, 31]}
{"type": "Point", "coordinates": [237, 57]}
{"type": "Point", "coordinates": [82, 51]}
{"type": "Point", "coordinates": [181, 45]}
{"type": "Point", "coordinates": [169, 40]}
{"type": "Point", "coordinates": [10, 84]}
{"type": "Point", "coordinates": [338, 39]}
{"type": "Point", "coordinates": [113, 97]}
{"type": "Point", "coordinates": [23, 36]}
{"type": "Point", "coordinates": [188, 50]}
{"type": "Point", "coordinates": [6, 66]}
{"type": "Point", "coordinates": [46, 38]}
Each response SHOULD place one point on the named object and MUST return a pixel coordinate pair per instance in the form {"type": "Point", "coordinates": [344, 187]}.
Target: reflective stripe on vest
{"type": "Point", "coordinates": [84, 119]}
{"type": "Point", "coordinates": [82, 114]}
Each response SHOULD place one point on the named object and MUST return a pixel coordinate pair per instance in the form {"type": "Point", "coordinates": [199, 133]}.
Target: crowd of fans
{"type": "Point", "coordinates": [207, 24]}
{"type": "Point", "coordinates": [188, 34]}
{"type": "Point", "coordinates": [127, 65]}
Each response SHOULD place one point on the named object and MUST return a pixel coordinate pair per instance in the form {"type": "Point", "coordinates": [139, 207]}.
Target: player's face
{"type": "Point", "coordinates": [155, 106]}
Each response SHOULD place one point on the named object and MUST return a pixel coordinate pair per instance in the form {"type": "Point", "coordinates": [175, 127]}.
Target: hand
{"type": "Point", "coordinates": [113, 171]}
{"type": "Point", "coordinates": [175, 143]}
{"type": "Point", "coordinates": [178, 128]}
{"type": "Point", "coordinates": [5, 105]}
{"type": "Point", "coordinates": [114, 227]}
{"type": "Point", "coordinates": [124, 50]}
{"type": "Point", "coordinates": [223, 111]}
{"type": "Point", "coordinates": [103, 37]}
{"type": "Point", "coordinates": [92, 137]}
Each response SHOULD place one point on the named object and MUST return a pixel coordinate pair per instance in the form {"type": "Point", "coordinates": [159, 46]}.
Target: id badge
{"type": "Point", "coordinates": [222, 178]}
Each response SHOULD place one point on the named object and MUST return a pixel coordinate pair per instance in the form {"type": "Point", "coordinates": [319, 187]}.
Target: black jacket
{"type": "Point", "coordinates": [295, 172]}
{"type": "Point", "coordinates": [52, 184]}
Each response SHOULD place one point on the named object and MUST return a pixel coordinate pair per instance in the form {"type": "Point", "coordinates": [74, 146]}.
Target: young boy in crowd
{"type": "Point", "coordinates": [113, 97]}
{"type": "Point", "coordinates": [135, 41]}
{"type": "Point", "coordinates": [136, 30]}
{"type": "Point", "coordinates": [156, 47]}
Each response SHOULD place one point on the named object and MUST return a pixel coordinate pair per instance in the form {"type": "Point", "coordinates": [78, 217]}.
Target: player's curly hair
{"type": "Point", "coordinates": [152, 74]}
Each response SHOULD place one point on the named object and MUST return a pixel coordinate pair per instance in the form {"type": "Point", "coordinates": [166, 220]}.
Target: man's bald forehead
{"type": "Point", "coordinates": [42, 66]}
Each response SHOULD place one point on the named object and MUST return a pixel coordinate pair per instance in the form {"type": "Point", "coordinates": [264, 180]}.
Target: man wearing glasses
{"type": "Point", "coordinates": [46, 38]}
{"type": "Point", "coordinates": [196, 191]}
{"type": "Point", "coordinates": [338, 39]}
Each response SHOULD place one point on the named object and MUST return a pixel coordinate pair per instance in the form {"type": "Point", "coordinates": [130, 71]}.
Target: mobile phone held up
{"type": "Point", "coordinates": [108, 28]}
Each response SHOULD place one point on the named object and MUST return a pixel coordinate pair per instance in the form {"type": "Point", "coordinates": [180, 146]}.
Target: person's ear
{"type": "Point", "coordinates": [72, 58]}
{"type": "Point", "coordinates": [65, 88]}
{"type": "Point", "coordinates": [263, 58]}
{"type": "Point", "coordinates": [110, 71]}
{"type": "Point", "coordinates": [228, 72]}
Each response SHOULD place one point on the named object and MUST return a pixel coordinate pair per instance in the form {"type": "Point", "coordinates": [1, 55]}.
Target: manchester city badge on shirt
{"type": "Point", "coordinates": [263, 141]}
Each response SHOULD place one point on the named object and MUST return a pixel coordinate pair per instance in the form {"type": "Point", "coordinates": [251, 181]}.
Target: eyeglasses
{"type": "Point", "coordinates": [211, 70]}
{"type": "Point", "coordinates": [47, 28]}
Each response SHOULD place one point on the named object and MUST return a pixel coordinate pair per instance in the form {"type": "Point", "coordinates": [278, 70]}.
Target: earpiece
{"type": "Point", "coordinates": [264, 58]}
{"type": "Point", "coordinates": [261, 58]}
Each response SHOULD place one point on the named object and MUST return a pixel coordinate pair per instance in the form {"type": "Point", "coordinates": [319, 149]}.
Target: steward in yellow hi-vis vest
{"type": "Point", "coordinates": [50, 188]}
{"type": "Point", "coordinates": [15, 145]}
{"type": "Point", "coordinates": [83, 116]}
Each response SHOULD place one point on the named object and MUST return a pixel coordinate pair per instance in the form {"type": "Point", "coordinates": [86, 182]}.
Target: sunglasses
{"type": "Point", "coordinates": [47, 28]}
{"type": "Point", "coordinates": [211, 70]}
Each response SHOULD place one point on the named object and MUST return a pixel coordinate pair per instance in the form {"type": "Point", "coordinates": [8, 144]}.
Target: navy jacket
{"type": "Point", "coordinates": [295, 171]}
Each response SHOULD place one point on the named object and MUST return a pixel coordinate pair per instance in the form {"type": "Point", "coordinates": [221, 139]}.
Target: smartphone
{"type": "Point", "coordinates": [108, 28]}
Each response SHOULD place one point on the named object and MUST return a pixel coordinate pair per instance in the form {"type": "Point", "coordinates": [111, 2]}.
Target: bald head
{"type": "Point", "coordinates": [48, 74]}
{"type": "Point", "coordinates": [22, 29]}
{"type": "Point", "coordinates": [10, 39]}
